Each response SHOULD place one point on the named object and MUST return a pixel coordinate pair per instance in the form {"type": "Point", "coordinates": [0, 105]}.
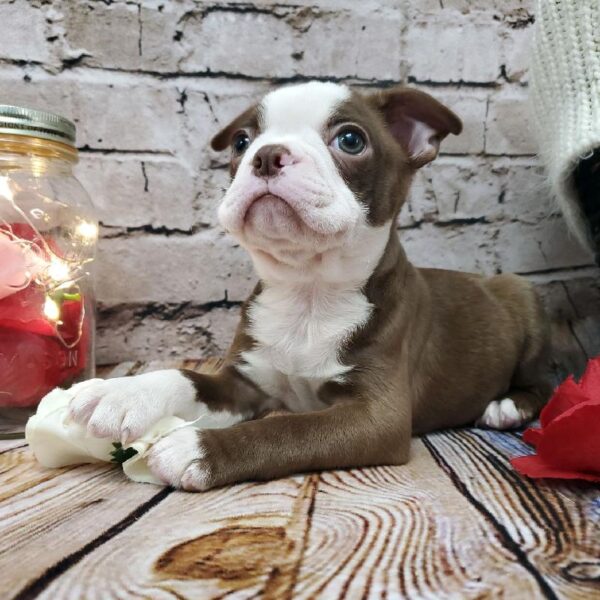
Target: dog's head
{"type": "Point", "coordinates": [321, 171]}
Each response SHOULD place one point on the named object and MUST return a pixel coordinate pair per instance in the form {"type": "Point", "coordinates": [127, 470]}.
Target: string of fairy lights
{"type": "Point", "coordinates": [58, 277]}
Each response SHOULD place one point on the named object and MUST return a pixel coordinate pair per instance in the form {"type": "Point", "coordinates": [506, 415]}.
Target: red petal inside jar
{"type": "Point", "coordinates": [24, 311]}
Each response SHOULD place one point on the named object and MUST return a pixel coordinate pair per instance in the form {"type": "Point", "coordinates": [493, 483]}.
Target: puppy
{"type": "Point", "coordinates": [359, 347]}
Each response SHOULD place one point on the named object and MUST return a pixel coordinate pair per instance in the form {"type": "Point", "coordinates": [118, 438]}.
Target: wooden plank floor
{"type": "Point", "coordinates": [456, 522]}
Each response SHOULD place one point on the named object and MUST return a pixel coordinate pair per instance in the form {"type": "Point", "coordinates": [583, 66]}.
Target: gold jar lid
{"type": "Point", "coordinates": [17, 120]}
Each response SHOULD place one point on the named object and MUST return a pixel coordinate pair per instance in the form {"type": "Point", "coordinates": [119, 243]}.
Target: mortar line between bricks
{"type": "Point", "coordinates": [118, 231]}
{"type": "Point", "coordinates": [554, 270]}
{"type": "Point", "coordinates": [278, 80]}
{"type": "Point", "coordinates": [487, 155]}
{"type": "Point", "coordinates": [206, 74]}
{"type": "Point", "coordinates": [460, 83]}
{"type": "Point", "coordinates": [90, 150]}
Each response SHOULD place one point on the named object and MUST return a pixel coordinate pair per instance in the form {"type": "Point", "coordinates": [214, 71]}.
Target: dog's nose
{"type": "Point", "coordinates": [270, 159]}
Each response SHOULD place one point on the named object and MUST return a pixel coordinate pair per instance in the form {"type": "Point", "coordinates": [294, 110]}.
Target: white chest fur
{"type": "Point", "coordinates": [299, 332]}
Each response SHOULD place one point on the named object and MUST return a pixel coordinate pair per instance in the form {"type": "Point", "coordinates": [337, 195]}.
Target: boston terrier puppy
{"type": "Point", "coordinates": [347, 346]}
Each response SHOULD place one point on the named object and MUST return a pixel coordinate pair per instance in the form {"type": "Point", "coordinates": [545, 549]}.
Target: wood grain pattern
{"type": "Point", "coordinates": [404, 532]}
{"type": "Point", "coordinates": [456, 522]}
{"type": "Point", "coordinates": [342, 534]}
{"type": "Point", "coordinates": [227, 541]}
{"type": "Point", "coordinates": [18, 469]}
{"type": "Point", "coordinates": [554, 527]}
{"type": "Point", "coordinates": [58, 508]}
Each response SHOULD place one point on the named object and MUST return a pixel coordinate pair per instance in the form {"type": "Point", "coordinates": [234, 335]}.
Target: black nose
{"type": "Point", "coordinates": [267, 162]}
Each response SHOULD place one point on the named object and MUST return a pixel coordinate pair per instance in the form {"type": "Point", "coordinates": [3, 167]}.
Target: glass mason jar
{"type": "Point", "coordinates": [48, 235]}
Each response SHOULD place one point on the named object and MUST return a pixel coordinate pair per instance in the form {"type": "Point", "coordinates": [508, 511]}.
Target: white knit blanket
{"type": "Point", "coordinates": [565, 92]}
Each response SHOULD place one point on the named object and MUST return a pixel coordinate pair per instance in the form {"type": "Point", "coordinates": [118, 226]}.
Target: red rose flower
{"type": "Point", "coordinates": [24, 311]}
{"type": "Point", "coordinates": [568, 443]}
{"type": "Point", "coordinates": [33, 364]}
{"type": "Point", "coordinates": [36, 354]}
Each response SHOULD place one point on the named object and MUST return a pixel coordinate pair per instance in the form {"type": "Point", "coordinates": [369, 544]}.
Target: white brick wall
{"type": "Point", "coordinates": [148, 82]}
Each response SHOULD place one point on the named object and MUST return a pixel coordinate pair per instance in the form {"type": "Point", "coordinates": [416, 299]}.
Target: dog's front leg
{"type": "Point", "coordinates": [348, 434]}
{"type": "Point", "coordinates": [124, 408]}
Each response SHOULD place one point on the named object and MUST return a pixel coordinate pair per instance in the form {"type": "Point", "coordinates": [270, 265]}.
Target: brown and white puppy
{"type": "Point", "coordinates": [360, 348]}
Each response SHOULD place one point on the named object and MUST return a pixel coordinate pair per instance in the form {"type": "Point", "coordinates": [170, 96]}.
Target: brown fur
{"type": "Point", "coordinates": [439, 346]}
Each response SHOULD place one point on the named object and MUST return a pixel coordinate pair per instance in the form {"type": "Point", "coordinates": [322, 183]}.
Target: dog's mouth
{"type": "Point", "coordinates": [273, 215]}
{"type": "Point", "coordinates": [266, 200]}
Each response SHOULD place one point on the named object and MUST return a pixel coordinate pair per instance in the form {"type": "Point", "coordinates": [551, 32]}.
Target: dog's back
{"type": "Point", "coordinates": [484, 333]}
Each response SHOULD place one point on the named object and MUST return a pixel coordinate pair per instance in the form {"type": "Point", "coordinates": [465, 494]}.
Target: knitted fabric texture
{"type": "Point", "coordinates": [565, 92]}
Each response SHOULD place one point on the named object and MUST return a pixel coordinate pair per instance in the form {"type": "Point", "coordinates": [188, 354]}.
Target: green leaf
{"type": "Point", "coordinates": [120, 454]}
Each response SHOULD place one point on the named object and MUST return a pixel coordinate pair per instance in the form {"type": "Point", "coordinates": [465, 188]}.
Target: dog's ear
{"type": "Point", "coordinates": [247, 120]}
{"type": "Point", "coordinates": [417, 121]}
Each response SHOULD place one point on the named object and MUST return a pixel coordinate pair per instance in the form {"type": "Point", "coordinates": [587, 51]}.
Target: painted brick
{"type": "Point", "coordinates": [436, 54]}
{"type": "Point", "coordinates": [160, 40]}
{"type": "Point", "coordinates": [478, 42]}
{"type": "Point", "coordinates": [524, 248]}
{"type": "Point", "coordinates": [149, 83]}
{"type": "Point", "coordinates": [587, 331]}
{"type": "Point", "coordinates": [111, 112]}
{"type": "Point", "coordinates": [470, 106]}
{"type": "Point", "coordinates": [500, 7]}
{"type": "Point", "coordinates": [133, 192]}
{"type": "Point", "coordinates": [92, 28]}
{"type": "Point", "coordinates": [127, 331]}
{"type": "Point", "coordinates": [23, 32]}
{"type": "Point", "coordinates": [507, 125]}
{"type": "Point", "coordinates": [286, 42]}
{"type": "Point", "coordinates": [571, 295]}
{"type": "Point", "coordinates": [201, 268]}
{"type": "Point", "coordinates": [465, 248]}
{"type": "Point", "coordinates": [470, 188]}
{"type": "Point", "coordinates": [517, 47]}
{"type": "Point", "coordinates": [210, 188]}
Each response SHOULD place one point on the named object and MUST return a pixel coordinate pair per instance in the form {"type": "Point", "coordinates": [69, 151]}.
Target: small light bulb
{"type": "Point", "coordinates": [51, 309]}
{"type": "Point", "coordinates": [58, 270]}
{"type": "Point", "coordinates": [87, 231]}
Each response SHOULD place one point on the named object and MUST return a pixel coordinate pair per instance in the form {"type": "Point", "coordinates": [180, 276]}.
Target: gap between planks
{"type": "Point", "coordinates": [505, 538]}
{"type": "Point", "coordinates": [33, 588]}
{"type": "Point", "coordinates": [282, 579]}
{"type": "Point", "coordinates": [550, 527]}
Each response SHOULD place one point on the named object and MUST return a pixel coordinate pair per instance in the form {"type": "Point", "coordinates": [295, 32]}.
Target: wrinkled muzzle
{"type": "Point", "coordinates": [288, 188]}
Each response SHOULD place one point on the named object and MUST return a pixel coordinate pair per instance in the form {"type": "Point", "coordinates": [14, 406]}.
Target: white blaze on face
{"type": "Point", "coordinates": [296, 118]}
{"type": "Point", "coordinates": [304, 222]}
{"type": "Point", "coordinates": [298, 108]}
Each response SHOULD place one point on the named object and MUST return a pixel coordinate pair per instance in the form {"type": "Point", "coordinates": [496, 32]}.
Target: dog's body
{"type": "Point", "coordinates": [360, 348]}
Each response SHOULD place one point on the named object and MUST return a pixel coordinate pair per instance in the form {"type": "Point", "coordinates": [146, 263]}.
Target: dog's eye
{"type": "Point", "coordinates": [240, 142]}
{"type": "Point", "coordinates": [350, 141]}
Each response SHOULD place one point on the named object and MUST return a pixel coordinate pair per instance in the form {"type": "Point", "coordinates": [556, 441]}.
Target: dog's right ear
{"type": "Point", "coordinates": [247, 120]}
{"type": "Point", "coordinates": [417, 121]}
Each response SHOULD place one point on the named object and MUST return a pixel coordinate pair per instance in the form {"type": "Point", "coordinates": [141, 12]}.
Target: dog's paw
{"type": "Point", "coordinates": [125, 407]}
{"type": "Point", "coordinates": [502, 414]}
{"type": "Point", "coordinates": [179, 460]}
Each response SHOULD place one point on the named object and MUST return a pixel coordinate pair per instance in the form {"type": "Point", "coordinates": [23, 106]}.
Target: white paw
{"type": "Point", "coordinates": [502, 414]}
{"type": "Point", "coordinates": [177, 460]}
{"type": "Point", "coordinates": [125, 407]}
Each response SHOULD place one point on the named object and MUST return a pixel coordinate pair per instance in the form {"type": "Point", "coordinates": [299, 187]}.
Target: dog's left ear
{"type": "Point", "coordinates": [248, 119]}
{"type": "Point", "coordinates": [417, 121]}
